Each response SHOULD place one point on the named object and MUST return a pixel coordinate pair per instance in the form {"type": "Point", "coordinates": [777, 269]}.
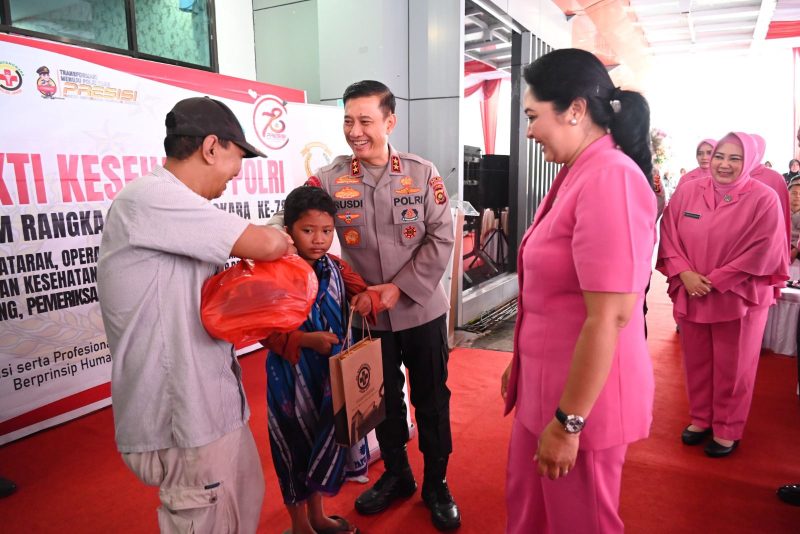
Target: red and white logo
{"type": "Point", "coordinates": [10, 78]}
{"type": "Point", "coordinates": [269, 121]}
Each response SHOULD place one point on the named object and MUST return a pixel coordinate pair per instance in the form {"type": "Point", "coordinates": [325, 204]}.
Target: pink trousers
{"type": "Point", "coordinates": [585, 501]}
{"type": "Point", "coordinates": [721, 360]}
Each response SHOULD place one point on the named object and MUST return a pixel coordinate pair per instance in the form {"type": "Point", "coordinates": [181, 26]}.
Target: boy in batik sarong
{"type": "Point", "coordinates": [307, 459]}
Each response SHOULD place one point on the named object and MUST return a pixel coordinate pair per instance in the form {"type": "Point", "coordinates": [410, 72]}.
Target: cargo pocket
{"type": "Point", "coordinates": [195, 510]}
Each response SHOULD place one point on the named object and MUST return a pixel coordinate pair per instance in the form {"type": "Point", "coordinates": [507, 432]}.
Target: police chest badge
{"type": "Point", "coordinates": [348, 217]}
{"type": "Point", "coordinates": [347, 192]}
{"type": "Point", "coordinates": [352, 237]}
{"type": "Point", "coordinates": [408, 186]}
{"type": "Point", "coordinates": [410, 232]}
{"type": "Point", "coordinates": [410, 215]}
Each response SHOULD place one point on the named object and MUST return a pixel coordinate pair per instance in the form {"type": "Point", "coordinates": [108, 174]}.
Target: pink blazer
{"type": "Point", "coordinates": [595, 231]}
{"type": "Point", "coordinates": [694, 174]}
{"type": "Point", "coordinates": [740, 245]}
{"type": "Point", "coordinates": [775, 181]}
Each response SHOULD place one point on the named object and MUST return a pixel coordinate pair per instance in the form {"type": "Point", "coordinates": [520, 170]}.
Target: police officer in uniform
{"type": "Point", "coordinates": [394, 225]}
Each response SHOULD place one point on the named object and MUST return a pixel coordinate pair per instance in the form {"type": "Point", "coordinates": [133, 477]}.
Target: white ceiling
{"type": "Point", "coordinates": [681, 26]}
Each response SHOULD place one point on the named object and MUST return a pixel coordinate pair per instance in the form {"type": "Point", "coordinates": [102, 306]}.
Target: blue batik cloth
{"type": "Point", "coordinates": [306, 456]}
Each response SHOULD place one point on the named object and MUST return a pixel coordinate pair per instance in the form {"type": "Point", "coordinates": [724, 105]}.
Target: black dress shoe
{"type": "Point", "coordinates": [397, 482]}
{"type": "Point", "coordinates": [444, 511]}
{"type": "Point", "coordinates": [790, 493]}
{"type": "Point", "coordinates": [717, 450]}
{"type": "Point", "coordinates": [386, 490]}
{"type": "Point", "coordinates": [690, 437]}
{"type": "Point", "coordinates": [7, 487]}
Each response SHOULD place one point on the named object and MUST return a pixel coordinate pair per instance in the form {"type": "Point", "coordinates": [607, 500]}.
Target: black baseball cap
{"type": "Point", "coordinates": [201, 116]}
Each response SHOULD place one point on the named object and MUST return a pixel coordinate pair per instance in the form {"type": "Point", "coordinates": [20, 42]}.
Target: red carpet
{"type": "Point", "coordinates": [72, 480]}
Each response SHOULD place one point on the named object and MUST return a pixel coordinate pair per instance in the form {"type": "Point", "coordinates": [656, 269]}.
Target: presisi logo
{"type": "Point", "coordinates": [363, 377]}
{"type": "Point", "coordinates": [10, 78]}
{"type": "Point", "coordinates": [88, 86]}
{"type": "Point", "coordinates": [269, 122]}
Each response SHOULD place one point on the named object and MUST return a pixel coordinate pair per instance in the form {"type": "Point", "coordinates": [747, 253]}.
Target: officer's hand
{"type": "Point", "coordinates": [362, 304]}
{"type": "Point", "coordinates": [389, 293]}
{"type": "Point", "coordinates": [320, 342]}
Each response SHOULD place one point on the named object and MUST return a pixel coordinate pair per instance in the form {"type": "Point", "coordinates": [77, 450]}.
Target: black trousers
{"type": "Point", "coordinates": [424, 351]}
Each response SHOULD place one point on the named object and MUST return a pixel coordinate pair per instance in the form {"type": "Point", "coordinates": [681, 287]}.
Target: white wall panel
{"type": "Point", "coordinates": [434, 136]}
{"type": "Point", "coordinates": [435, 47]}
{"type": "Point", "coordinates": [235, 51]}
{"type": "Point", "coordinates": [287, 47]}
{"type": "Point", "coordinates": [399, 137]}
{"type": "Point", "coordinates": [362, 39]}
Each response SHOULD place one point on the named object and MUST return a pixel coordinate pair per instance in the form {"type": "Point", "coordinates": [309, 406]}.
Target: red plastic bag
{"type": "Point", "coordinates": [247, 302]}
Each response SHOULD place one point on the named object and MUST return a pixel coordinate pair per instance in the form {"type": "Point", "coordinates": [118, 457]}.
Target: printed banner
{"type": "Point", "coordinates": [80, 124]}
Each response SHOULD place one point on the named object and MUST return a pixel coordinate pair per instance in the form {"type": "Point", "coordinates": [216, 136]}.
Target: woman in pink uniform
{"type": "Point", "coordinates": [723, 251]}
{"type": "Point", "coordinates": [580, 356]}
{"type": "Point", "coordinates": [774, 180]}
{"type": "Point", "coordinates": [705, 149]}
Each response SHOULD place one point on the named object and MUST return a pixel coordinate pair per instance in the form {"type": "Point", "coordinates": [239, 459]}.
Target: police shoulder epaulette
{"type": "Point", "coordinates": [413, 157]}
{"type": "Point", "coordinates": [337, 162]}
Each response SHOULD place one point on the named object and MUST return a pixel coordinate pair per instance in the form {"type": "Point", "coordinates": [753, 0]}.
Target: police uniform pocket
{"type": "Point", "coordinates": [196, 509]}
{"type": "Point", "coordinates": [409, 223]}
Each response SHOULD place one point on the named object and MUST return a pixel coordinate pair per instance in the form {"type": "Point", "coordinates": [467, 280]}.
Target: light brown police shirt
{"type": "Point", "coordinates": [398, 229]}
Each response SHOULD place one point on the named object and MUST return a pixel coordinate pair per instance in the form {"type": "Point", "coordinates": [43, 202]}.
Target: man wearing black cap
{"type": "Point", "coordinates": [180, 414]}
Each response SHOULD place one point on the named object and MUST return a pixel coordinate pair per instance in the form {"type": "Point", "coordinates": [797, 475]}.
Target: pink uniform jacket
{"type": "Point", "coordinates": [697, 172]}
{"type": "Point", "coordinates": [595, 231]}
{"type": "Point", "coordinates": [694, 174]}
{"type": "Point", "coordinates": [774, 180]}
{"type": "Point", "coordinates": [739, 244]}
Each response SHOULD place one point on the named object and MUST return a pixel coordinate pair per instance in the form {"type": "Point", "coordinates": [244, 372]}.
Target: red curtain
{"type": "Point", "coordinates": [491, 96]}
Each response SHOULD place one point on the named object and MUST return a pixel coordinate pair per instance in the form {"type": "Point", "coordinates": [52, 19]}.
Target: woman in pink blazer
{"type": "Point", "coordinates": [581, 378]}
{"type": "Point", "coordinates": [723, 251]}
{"type": "Point", "coordinates": [703, 153]}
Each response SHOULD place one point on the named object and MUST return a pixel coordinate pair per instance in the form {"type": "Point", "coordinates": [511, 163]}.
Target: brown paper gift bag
{"type": "Point", "coordinates": [357, 388]}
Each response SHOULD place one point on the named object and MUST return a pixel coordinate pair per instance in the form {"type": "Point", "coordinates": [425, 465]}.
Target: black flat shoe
{"type": "Point", "coordinates": [691, 437]}
{"type": "Point", "coordinates": [790, 493]}
{"type": "Point", "coordinates": [717, 450]}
